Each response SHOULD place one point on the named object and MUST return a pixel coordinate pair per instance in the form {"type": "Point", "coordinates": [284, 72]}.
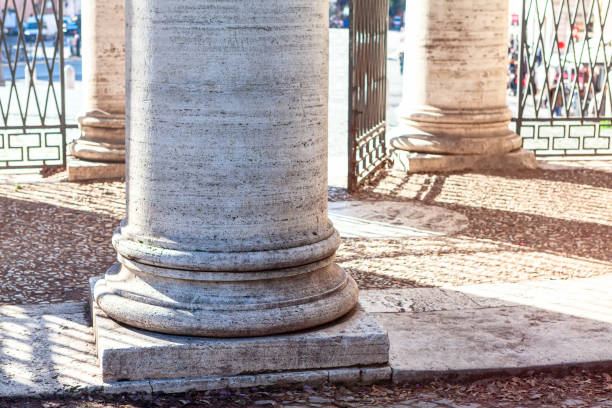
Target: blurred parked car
{"type": "Point", "coordinates": [70, 27]}
{"type": "Point", "coordinates": [337, 23]}
{"type": "Point", "coordinates": [10, 23]}
{"type": "Point", "coordinates": [397, 23]}
{"type": "Point", "coordinates": [48, 31]}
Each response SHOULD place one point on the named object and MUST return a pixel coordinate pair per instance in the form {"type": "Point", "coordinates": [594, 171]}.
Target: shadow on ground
{"type": "Point", "coordinates": [49, 252]}
{"type": "Point", "coordinates": [525, 225]}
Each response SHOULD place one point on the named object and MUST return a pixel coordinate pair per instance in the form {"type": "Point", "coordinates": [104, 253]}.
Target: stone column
{"type": "Point", "coordinates": [102, 126]}
{"type": "Point", "coordinates": [226, 233]}
{"type": "Point", "coordinates": [454, 99]}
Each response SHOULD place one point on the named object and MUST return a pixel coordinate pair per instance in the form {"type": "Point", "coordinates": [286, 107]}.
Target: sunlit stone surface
{"type": "Point", "coordinates": [227, 233]}
{"type": "Point", "coordinates": [454, 98]}
{"type": "Point", "coordinates": [103, 124]}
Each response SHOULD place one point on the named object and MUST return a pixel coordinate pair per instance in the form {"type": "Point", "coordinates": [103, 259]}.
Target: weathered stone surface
{"type": "Point", "coordinates": [370, 375]}
{"type": "Point", "coordinates": [83, 170]}
{"type": "Point", "coordinates": [392, 219]}
{"type": "Point", "coordinates": [49, 349]}
{"type": "Point", "coordinates": [539, 325]}
{"type": "Point", "coordinates": [46, 349]}
{"type": "Point", "coordinates": [454, 97]}
{"type": "Point", "coordinates": [431, 163]}
{"type": "Point", "coordinates": [569, 297]}
{"type": "Point", "coordinates": [131, 354]}
{"type": "Point", "coordinates": [227, 233]}
{"type": "Point", "coordinates": [344, 375]}
{"type": "Point", "coordinates": [103, 124]}
{"type": "Point", "coordinates": [414, 300]}
{"type": "Point", "coordinates": [312, 377]}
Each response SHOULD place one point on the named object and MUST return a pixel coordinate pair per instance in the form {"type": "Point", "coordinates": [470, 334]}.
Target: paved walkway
{"type": "Point", "coordinates": [434, 332]}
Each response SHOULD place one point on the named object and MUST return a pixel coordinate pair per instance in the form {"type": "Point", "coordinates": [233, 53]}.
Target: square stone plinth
{"type": "Point", "coordinates": [127, 353]}
{"type": "Point", "coordinates": [83, 170]}
{"type": "Point", "coordinates": [433, 163]}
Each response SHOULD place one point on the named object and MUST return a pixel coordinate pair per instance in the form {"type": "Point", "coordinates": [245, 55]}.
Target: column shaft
{"type": "Point", "coordinates": [103, 124]}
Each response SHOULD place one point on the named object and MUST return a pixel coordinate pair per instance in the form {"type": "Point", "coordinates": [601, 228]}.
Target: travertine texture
{"type": "Point", "coordinates": [431, 163]}
{"type": "Point", "coordinates": [454, 98]}
{"type": "Point", "coordinates": [393, 219]}
{"type": "Point", "coordinates": [85, 170]}
{"type": "Point", "coordinates": [103, 124]}
{"type": "Point", "coordinates": [131, 354]}
{"type": "Point", "coordinates": [434, 332]}
{"type": "Point", "coordinates": [227, 231]}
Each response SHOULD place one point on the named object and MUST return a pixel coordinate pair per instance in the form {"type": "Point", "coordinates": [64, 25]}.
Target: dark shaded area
{"type": "Point", "coordinates": [48, 252]}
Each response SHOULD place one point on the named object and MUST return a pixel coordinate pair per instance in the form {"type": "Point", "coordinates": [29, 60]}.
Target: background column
{"type": "Point", "coordinates": [226, 231]}
{"type": "Point", "coordinates": [103, 124]}
{"type": "Point", "coordinates": [454, 98]}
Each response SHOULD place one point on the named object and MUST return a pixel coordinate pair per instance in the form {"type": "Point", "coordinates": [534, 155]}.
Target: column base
{"type": "Point", "coordinates": [102, 138]}
{"type": "Point", "coordinates": [98, 152]}
{"type": "Point", "coordinates": [497, 143]}
{"type": "Point", "coordinates": [127, 353]}
{"type": "Point", "coordinates": [84, 170]}
{"type": "Point", "coordinates": [234, 304]}
{"type": "Point", "coordinates": [432, 163]}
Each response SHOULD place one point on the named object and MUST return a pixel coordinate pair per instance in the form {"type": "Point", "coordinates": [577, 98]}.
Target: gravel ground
{"type": "Point", "coordinates": [540, 224]}
{"type": "Point", "coordinates": [54, 237]}
{"type": "Point", "coordinates": [545, 224]}
{"type": "Point", "coordinates": [574, 389]}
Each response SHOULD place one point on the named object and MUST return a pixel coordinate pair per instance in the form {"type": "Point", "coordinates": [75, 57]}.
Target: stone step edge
{"type": "Point", "coordinates": [351, 375]}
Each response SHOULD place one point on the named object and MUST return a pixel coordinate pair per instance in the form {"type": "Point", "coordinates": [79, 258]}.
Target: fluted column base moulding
{"type": "Point", "coordinates": [102, 138]}
{"type": "Point", "coordinates": [240, 294]}
{"type": "Point", "coordinates": [100, 152]}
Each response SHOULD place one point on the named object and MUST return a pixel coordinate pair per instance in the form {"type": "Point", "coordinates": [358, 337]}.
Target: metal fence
{"type": "Point", "coordinates": [563, 78]}
{"type": "Point", "coordinates": [367, 90]}
{"type": "Point", "coordinates": [32, 100]}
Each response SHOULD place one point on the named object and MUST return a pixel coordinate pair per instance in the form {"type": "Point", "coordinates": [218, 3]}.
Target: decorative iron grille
{"type": "Point", "coordinates": [32, 100]}
{"type": "Point", "coordinates": [564, 94]}
{"type": "Point", "coordinates": [367, 90]}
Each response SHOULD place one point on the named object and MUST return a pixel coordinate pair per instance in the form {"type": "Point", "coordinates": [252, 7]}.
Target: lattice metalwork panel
{"type": "Point", "coordinates": [367, 90]}
{"type": "Point", "coordinates": [564, 92]}
{"type": "Point", "coordinates": [33, 148]}
{"type": "Point", "coordinates": [567, 139]}
{"type": "Point", "coordinates": [32, 105]}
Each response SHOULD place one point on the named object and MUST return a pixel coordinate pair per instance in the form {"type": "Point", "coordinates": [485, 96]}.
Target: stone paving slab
{"type": "Point", "coordinates": [415, 300]}
{"type": "Point", "coordinates": [393, 219]}
{"type": "Point", "coordinates": [83, 170]}
{"type": "Point", "coordinates": [585, 298]}
{"type": "Point", "coordinates": [46, 349]}
{"type": "Point", "coordinates": [492, 340]}
{"type": "Point", "coordinates": [495, 328]}
{"type": "Point", "coordinates": [434, 332]}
